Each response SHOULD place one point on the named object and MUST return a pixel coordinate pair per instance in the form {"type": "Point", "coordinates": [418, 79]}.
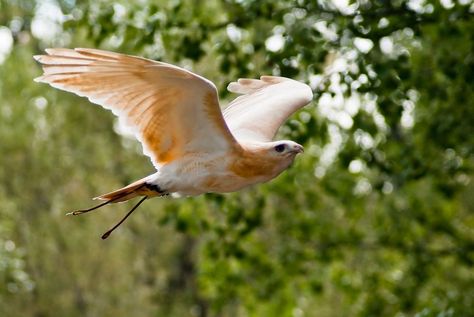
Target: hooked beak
{"type": "Point", "coordinates": [297, 149]}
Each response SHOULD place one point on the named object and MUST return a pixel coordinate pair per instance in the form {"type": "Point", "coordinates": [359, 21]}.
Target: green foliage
{"type": "Point", "coordinates": [374, 220]}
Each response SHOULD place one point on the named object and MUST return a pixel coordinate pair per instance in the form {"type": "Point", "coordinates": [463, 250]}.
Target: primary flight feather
{"type": "Point", "coordinates": [175, 114]}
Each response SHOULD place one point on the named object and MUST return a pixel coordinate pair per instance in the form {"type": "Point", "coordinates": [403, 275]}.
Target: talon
{"type": "Point", "coordinates": [76, 212]}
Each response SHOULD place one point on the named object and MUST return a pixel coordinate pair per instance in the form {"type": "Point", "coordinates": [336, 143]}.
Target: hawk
{"type": "Point", "coordinates": [195, 147]}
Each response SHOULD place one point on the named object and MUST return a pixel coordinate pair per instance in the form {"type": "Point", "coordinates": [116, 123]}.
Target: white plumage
{"type": "Point", "coordinates": [175, 114]}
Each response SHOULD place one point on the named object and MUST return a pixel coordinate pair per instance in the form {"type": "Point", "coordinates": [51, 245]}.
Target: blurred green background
{"type": "Point", "coordinates": [375, 219]}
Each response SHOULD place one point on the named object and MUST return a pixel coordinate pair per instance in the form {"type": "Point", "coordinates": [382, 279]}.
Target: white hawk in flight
{"type": "Point", "coordinates": [195, 147]}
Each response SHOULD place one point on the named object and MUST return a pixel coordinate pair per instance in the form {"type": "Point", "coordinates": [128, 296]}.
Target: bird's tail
{"type": "Point", "coordinates": [138, 188]}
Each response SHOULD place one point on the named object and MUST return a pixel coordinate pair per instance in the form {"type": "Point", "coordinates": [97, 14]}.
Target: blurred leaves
{"type": "Point", "coordinates": [374, 220]}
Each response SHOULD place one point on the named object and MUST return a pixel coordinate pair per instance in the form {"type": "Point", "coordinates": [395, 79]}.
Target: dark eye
{"type": "Point", "coordinates": [280, 148]}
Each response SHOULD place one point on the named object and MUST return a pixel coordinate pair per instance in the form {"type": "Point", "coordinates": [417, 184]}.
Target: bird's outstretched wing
{"type": "Point", "coordinates": [172, 111]}
{"type": "Point", "coordinates": [264, 105]}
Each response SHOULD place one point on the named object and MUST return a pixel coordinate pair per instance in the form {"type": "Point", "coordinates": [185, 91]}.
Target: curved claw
{"type": "Point", "coordinates": [76, 212]}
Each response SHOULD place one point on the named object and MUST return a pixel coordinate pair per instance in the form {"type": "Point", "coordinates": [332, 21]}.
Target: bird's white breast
{"type": "Point", "coordinates": [198, 174]}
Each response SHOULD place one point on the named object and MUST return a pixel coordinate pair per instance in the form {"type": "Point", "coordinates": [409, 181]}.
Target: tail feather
{"type": "Point", "coordinates": [138, 188]}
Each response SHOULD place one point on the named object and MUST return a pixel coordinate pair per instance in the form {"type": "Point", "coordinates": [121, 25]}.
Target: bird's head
{"type": "Point", "coordinates": [267, 159]}
{"type": "Point", "coordinates": [285, 149]}
{"type": "Point", "coordinates": [283, 153]}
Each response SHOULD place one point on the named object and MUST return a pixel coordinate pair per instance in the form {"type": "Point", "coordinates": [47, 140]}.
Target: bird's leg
{"type": "Point", "coordinates": [106, 235]}
{"type": "Point", "coordinates": [83, 211]}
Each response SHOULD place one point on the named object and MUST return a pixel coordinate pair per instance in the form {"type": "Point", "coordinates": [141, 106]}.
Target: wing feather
{"type": "Point", "coordinates": [264, 106]}
{"type": "Point", "coordinates": [172, 111]}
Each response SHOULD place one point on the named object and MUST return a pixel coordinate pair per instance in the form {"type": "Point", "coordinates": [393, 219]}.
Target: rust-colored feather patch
{"type": "Point", "coordinates": [251, 164]}
{"type": "Point", "coordinates": [172, 111]}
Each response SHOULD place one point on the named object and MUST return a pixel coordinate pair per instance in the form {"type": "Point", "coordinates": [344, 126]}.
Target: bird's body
{"type": "Point", "coordinates": [195, 147]}
{"type": "Point", "coordinates": [216, 173]}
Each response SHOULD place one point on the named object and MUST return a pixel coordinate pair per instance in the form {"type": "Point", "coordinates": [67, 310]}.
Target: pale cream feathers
{"type": "Point", "coordinates": [172, 111]}
{"type": "Point", "coordinates": [175, 114]}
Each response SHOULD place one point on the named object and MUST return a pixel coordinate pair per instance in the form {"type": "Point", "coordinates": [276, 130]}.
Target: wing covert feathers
{"type": "Point", "coordinates": [172, 111]}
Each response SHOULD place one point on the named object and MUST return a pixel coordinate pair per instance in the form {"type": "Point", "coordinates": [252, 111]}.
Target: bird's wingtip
{"type": "Point", "coordinates": [39, 79]}
{"type": "Point", "coordinates": [308, 93]}
{"type": "Point", "coordinates": [232, 87]}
